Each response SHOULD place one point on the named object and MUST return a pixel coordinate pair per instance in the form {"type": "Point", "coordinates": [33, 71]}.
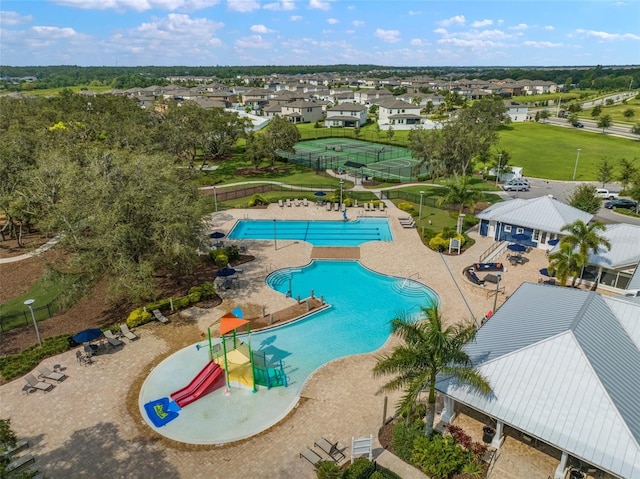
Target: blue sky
{"type": "Point", "coordinates": [319, 32]}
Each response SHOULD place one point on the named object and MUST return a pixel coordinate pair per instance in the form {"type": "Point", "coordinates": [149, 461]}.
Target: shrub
{"type": "Point", "coordinates": [8, 438]}
{"type": "Point", "coordinates": [257, 200]}
{"type": "Point", "coordinates": [328, 470]}
{"type": "Point", "coordinates": [137, 317]}
{"type": "Point", "coordinates": [439, 457]}
{"type": "Point", "coordinates": [406, 206]}
{"type": "Point", "coordinates": [361, 468]}
{"type": "Point", "coordinates": [348, 202]}
{"type": "Point", "coordinates": [404, 437]}
{"type": "Point", "coordinates": [19, 364]}
{"type": "Point", "coordinates": [428, 234]}
{"type": "Point", "coordinates": [221, 259]}
{"type": "Point", "coordinates": [232, 252]}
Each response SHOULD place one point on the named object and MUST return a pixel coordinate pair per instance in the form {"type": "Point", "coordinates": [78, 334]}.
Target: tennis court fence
{"type": "Point", "coordinates": [411, 197]}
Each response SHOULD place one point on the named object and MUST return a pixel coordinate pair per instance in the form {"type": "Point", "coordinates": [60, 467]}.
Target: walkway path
{"type": "Point", "coordinates": [36, 252]}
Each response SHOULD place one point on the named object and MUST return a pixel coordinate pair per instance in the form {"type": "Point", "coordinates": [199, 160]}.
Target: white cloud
{"type": "Point", "coordinates": [332, 21]}
{"type": "Point", "coordinates": [520, 26]}
{"type": "Point", "coordinates": [417, 42]}
{"type": "Point", "coordinates": [253, 41]}
{"type": "Point", "coordinates": [281, 6]}
{"type": "Point", "coordinates": [549, 27]}
{"type": "Point", "coordinates": [441, 31]}
{"type": "Point", "coordinates": [415, 12]}
{"type": "Point", "coordinates": [261, 29]}
{"type": "Point", "coordinates": [319, 5]}
{"type": "Point", "coordinates": [541, 44]}
{"type": "Point", "coordinates": [9, 19]}
{"type": "Point", "coordinates": [243, 6]}
{"type": "Point", "coordinates": [137, 5]}
{"type": "Point", "coordinates": [295, 18]}
{"type": "Point", "coordinates": [482, 23]}
{"type": "Point", "coordinates": [357, 23]}
{"type": "Point", "coordinates": [457, 20]}
{"type": "Point", "coordinates": [54, 33]}
{"type": "Point", "coordinates": [387, 36]}
{"type": "Point", "coordinates": [605, 36]}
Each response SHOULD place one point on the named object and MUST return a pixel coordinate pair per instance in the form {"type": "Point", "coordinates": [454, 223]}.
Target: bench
{"type": "Point", "coordinates": [21, 463]}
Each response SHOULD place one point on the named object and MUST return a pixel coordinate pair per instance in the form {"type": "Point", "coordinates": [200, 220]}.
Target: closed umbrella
{"type": "Point", "coordinates": [224, 272]}
{"type": "Point", "coordinates": [553, 242]}
{"type": "Point", "coordinates": [319, 193]}
{"type": "Point", "coordinates": [518, 248]}
{"type": "Point", "coordinates": [87, 335]}
{"type": "Point", "coordinates": [217, 235]}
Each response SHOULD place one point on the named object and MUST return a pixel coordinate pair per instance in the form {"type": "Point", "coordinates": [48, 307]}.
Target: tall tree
{"type": "Point", "coordinates": [460, 195]}
{"type": "Point", "coordinates": [605, 172]}
{"type": "Point", "coordinates": [605, 122]}
{"type": "Point", "coordinates": [544, 115]}
{"type": "Point", "coordinates": [222, 131]}
{"type": "Point", "coordinates": [565, 262]}
{"type": "Point", "coordinates": [280, 134]}
{"type": "Point", "coordinates": [429, 349]}
{"type": "Point", "coordinates": [423, 145]}
{"type": "Point", "coordinates": [584, 198]}
{"type": "Point", "coordinates": [634, 190]}
{"type": "Point", "coordinates": [585, 238]}
{"type": "Point", "coordinates": [626, 172]}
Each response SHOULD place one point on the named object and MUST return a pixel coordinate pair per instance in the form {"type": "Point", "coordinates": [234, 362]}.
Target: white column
{"type": "Point", "coordinates": [448, 413]}
{"type": "Point", "coordinates": [498, 439]}
{"type": "Point", "coordinates": [561, 469]}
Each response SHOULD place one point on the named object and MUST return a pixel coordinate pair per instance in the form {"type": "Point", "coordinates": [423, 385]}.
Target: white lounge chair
{"type": "Point", "coordinates": [328, 206]}
{"type": "Point", "coordinates": [288, 202]}
{"type": "Point", "coordinates": [126, 332]}
{"type": "Point", "coordinates": [46, 373]}
{"type": "Point", "coordinates": [336, 207]}
{"type": "Point", "coordinates": [35, 384]}
{"type": "Point", "coordinates": [371, 207]}
{"type": "Point", "coordinates": [366, 206]}
{"type": "Point", "coordinates": [281, 203]}
{"type": "Point", "coordinates": [382, 206]}
{"type": "Point", "coordinates": [159, 316]}
{"type": "Point", "coordinates": [296, 202]}
{"type": "Point", "coordinates": [409, 225]}
{"type": "Point", "coordinates": [305, 202]}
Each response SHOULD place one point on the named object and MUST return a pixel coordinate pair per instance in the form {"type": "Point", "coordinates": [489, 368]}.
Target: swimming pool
{"type": "Point", "coordinates": [318, 233]}
{"type": "Point", "coordinates": [362, 304]}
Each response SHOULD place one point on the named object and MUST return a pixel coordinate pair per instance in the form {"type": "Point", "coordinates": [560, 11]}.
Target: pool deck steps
{"type": "Point", "coordinates": [330, 252]}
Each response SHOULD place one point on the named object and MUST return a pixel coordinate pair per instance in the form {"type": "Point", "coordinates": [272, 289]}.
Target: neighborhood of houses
{"type": "Point", "coordinates": [319, 99]}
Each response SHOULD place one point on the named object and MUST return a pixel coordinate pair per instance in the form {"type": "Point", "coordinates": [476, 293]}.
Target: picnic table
{"type": "Point", "coordinates": [516, 259]}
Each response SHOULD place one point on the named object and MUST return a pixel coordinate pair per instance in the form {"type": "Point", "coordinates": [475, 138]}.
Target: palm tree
{"type": "Point", "coordinates": [428, 351]}
{"type": "Point", "coordinates": [461, 195]}
{"type": "Point", "coordinates": [585, 237]}
{"type": "Point", "coordinates": [565, 262]}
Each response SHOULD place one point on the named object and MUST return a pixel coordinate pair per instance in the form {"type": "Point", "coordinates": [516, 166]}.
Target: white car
{"type": "Point", "coordinates": [516, 185]}
{"type": "Point", "coordinates": [605, 194]}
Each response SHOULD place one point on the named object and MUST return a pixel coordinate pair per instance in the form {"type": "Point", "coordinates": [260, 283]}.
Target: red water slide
{"type": "Point", "coordinates": [201, 385]}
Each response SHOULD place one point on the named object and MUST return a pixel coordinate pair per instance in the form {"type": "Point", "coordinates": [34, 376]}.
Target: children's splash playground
{"type": "Point", "coordinates": [231, 387]}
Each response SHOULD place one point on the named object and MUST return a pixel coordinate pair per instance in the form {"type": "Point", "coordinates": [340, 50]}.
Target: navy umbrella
{"type": "Point", "coordinates": [224, 272]}
{"type": "Point", "coordinates": [217, 235]}
{"type": "Point", "coordinates": [545, 272]}
{"type": "Point", "coordinates": [319, 193]}
{"type": "Point", "coordinates": [553, 242]}
{"type": "Point", "coordinates": [87, 335]}
{"type": "Point", "coordinates": [518, 248]}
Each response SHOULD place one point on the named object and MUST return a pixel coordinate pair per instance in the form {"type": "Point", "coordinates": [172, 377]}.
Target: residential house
{"type": "Point", "coordinates": [398, 114]}
{"type": "Point", "coordinates": [370, 97]}
{"type": "Point", "coordinates": [541, 219]}
{"type": "Point", "coordinates": [302, 111]}
{"type": "Point", "coordinates": [346, 115]}
{"type": "Point", "coordinates": [516, 111]}
{"type": "Point", "coordinates": [564, 368]}
{"type": "Point", "coordinates": [256, 98]}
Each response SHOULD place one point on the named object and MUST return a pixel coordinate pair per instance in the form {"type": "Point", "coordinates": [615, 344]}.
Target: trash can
{"type": "Point", "coordinates": [576, 474]}
{"type": "Point", "coordinates": [488, 433]}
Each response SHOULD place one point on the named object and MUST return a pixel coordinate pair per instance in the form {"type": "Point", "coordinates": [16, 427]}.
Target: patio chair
{"type": "Point", "coordinates": [296, 202]}
{"type": "Point", "coordinates": [312, 456]}
{"type": "Point", "coordinates": [281, 203]}
{"type": "Point", "coordinates": [336, 206]}
{"type": "Point", "coordinates": [159, 316]}
{"type": "Point", "coordinates": [288, 202]}
{"type": "Point", "coordinates": [408, 225]}
{"type": "Point", "coordinates": [126, 332]}
{"type": "Point", "coordinates": [46, 373]}
{"type": "Point", "coordinates": [237, 270]}
{"type": "Point", "coordinates": [305, 202]}
{"type": "Point", "coordinates": [371, 207]}
{"type": "Point", "coordinates": [35, 384]}
{"type": "Point", "coordinates": [329, 206]}
{"type": "Point", "coordinates": [330, 448]}
{"type": "Point", "coordinates": [83, 358]}
{"type": "Point", "coordinates": [381, 206]}
{"type": "Point", "coordinates": [113, 341]}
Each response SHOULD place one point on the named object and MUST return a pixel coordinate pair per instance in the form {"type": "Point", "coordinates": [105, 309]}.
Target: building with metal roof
{"type": "Point", "coordinates": [564, 366]}
{"type": "Point", "coordinates": [541, 219]}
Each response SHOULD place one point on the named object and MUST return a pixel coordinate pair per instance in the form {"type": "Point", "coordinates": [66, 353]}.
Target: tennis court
{"type": "Point", "coordinates": [359, 158]}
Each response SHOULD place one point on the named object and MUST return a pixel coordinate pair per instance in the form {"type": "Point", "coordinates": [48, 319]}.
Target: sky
{"type": "Point", "coordinates": [319, 32]}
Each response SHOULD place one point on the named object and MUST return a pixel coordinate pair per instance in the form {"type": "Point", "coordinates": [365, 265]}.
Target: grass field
{"type": "Point", "coordinates": [546, 151]}
{"type": "Point", "coordinates": [617, 112]}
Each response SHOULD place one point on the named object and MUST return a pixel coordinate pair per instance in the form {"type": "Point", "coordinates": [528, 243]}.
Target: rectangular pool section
{"type": "Point", "coordinates": [318, 233]}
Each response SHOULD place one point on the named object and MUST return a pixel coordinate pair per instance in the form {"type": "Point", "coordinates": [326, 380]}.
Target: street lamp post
{"type": "Point", "coordinates": [341, 183]}
{"type": "Point", "coordinates": [275, 240]}
{"type": "Point", "coordinates": [495, 299]}
{"type": "Point", "coordinates": [420, 210]}
{"type": "Point", "coordinates": [215, 199]}
{"type": "Point", "coordinates": [29, 303]}
{"type": "Point", "coordinates": [575, 168]}
{"type": "Point", "coordinates": [499, 165]}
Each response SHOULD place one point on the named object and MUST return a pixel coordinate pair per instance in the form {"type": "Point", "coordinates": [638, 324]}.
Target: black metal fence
{"type": "Point", "coordinates": [412, 197]}
{"type": "Point", "coordinates": [23, 318]}
{"type": "Point", "coordinates": [368, 135]}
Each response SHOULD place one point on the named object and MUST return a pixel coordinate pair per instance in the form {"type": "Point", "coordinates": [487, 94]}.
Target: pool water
{"type": "Point", "coordinates": [318, 233]}
{"type": "Point", "coordinates": [362, 303]}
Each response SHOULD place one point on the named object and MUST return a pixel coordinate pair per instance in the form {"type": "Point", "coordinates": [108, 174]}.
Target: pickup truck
{"type": "Point", "coordinates": [605, 194]}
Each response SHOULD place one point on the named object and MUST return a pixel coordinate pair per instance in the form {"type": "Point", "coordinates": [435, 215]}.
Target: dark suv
{"type": "Point", "coordinates": [577, 124]}
{"type": "Point", "coordinates": [620, 203]}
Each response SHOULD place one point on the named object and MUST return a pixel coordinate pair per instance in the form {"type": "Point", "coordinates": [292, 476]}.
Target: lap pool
{"type": "Point", "coordinates": [318, 233]}
{"type": "Point", "coordinates": [362, 304]}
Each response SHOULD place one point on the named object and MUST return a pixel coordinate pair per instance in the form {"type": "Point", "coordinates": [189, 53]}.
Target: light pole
{"type": "Point", "coordinates": [341, 183]}
{"type": "Point", "coordinates": [420, 210]}
{"type": "Point", "coordinates": [499, 165]}
{"type": "Point", "coordinates": [29, 303]}
{"type": "Point", "coordinates": [495, 299]}
{"type": "Point", "coordinates": [575, 168]}
{"type": "Point", "coordinates": [215, 199]}
{"type": "Point", "coordinates": [275, 241]}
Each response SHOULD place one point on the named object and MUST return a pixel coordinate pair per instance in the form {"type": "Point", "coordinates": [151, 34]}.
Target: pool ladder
{"type": "Point", "coordinates": [416, 274]}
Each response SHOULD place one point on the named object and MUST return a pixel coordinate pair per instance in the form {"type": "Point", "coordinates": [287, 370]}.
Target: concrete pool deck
{"type": "Point", "coordinates": [85, 425]}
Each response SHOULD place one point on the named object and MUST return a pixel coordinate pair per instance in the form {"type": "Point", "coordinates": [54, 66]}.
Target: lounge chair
{"type": "Point", "coordinates": [371, 207]}
{"type": "Point", "coordinates": [331, 449]}
{"type": "Point", "coordinates": [113, 341]}
{"type": "Point", "coordinates": [312, 456]}
{"type": "Point", "coordinates": [126, 332]}
{"type": "Point", "coordinates": [296, 202]}
{"type": "Point", "coordinates": [305, 202]}
{"type": "Point", "coordinates": [35, 384]}
{"type": "Point", "coordinates": [288, 202]}
{"type": "Point", "coordinates": [159, 316]}
{"type": "Point", "coordinates": [281, 203]}
{"type": "Point", "coordinates": [336, 206]}
{"type": "Point", "coordinates": [381, 205]}
{"type": "Point", "coordinates": [46, 373]}
{"type": "Point", "coordinates": [328, 206]}
{"type": "Point", "coordinates": [408, 225]}
{"type": "Point", "coordinates": [20, 464]}
{"type": "Point", "coordinates": [408, 219]}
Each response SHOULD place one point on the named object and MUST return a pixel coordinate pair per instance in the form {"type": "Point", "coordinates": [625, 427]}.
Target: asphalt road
{"type": "Point", "coordinates": [562, 189]}
{"type": "Point", "coordinates": [591, 126]}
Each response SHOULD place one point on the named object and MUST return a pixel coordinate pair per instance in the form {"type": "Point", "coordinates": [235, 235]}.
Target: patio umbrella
{"type": "Point", "coordinates": [224, 272]}
{"type": "Point", "coordinates": [553, 242]}
{"type": "Point", "coordinates": [545, 272]}
{"type": "Point", "coordinates": [217, 235]}
{"type": "Point", "coordinates": [87, 335]}
{"type": "Point", "coordinates": [518, 248]}
{"type": "Point", "coordinates": [520, 237]}
{"type": "Point", "coordinates": [319, 193]}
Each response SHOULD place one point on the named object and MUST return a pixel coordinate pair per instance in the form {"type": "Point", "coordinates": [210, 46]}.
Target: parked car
{"type": "Point", "coordinates": [516, 180]}
{"type": "Point", "coordinates": [620, 203]}
{"type": "Point", "coordinates": [606, 194]}
{"type": "Point", "coordinates": [577, 124]}
{"type": "Point", "coordinates": [517, 185]}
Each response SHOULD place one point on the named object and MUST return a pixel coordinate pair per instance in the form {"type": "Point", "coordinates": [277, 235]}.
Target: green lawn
{"type": "Point", "coordinates": [617, 112]}
{"type": "Point", "coordinates": [546, 151]}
